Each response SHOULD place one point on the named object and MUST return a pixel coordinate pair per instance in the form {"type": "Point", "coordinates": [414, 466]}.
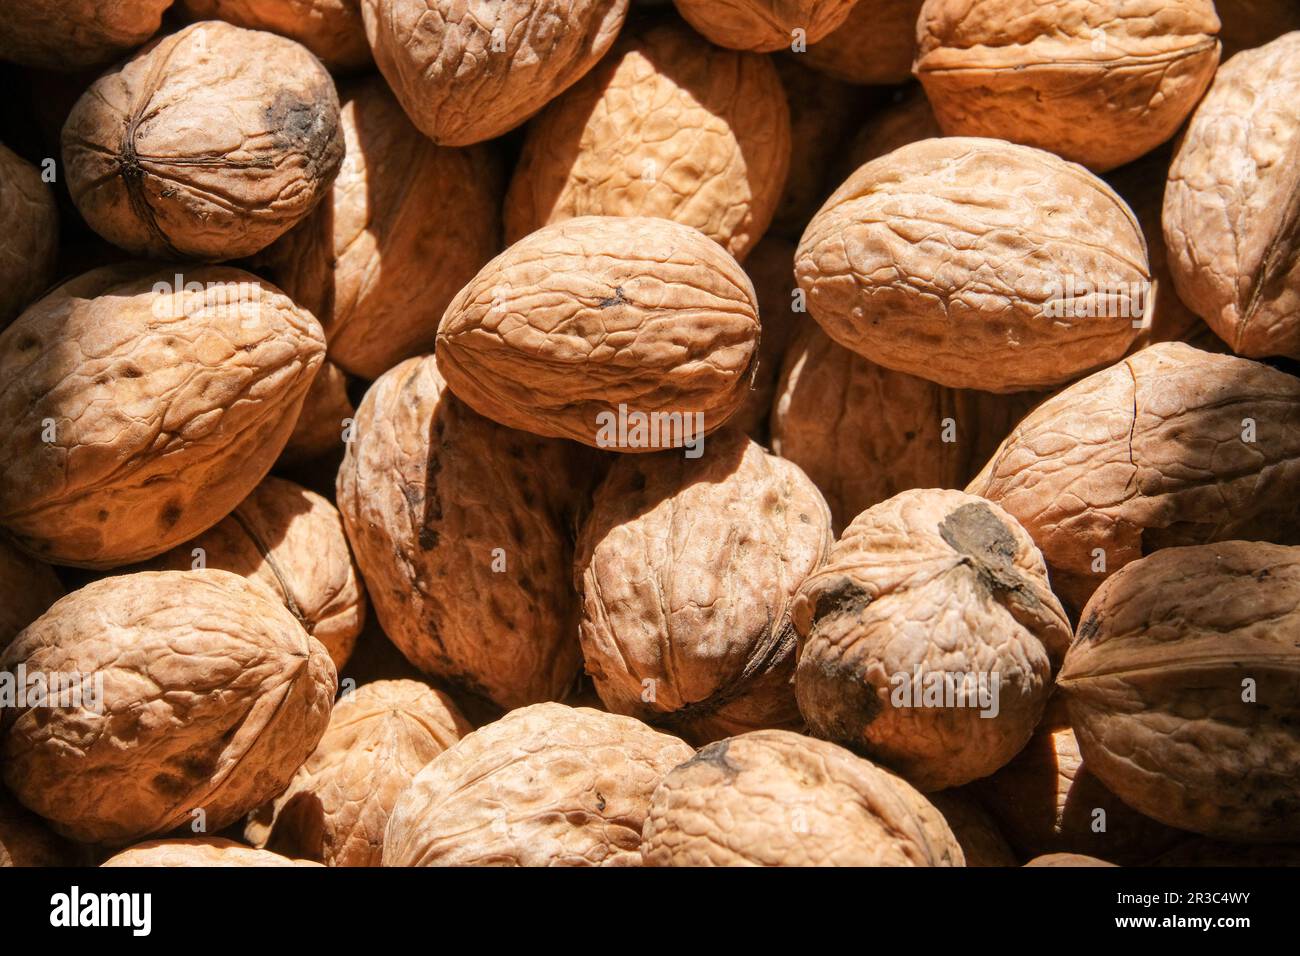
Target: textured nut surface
{"type": "Point", "coordinates": [1183, 685]}
{"type": "Point", "coordinates": [213, 695]}
{"type": "Point", "coordinates": [687, 568]}
{"type": "Point", "coordinates": [201, 851]}
{"type": "Point", "coordinates": [1172, 446]}
{"type": "Point", "coordinates": [977, 833]}
{"type": "Point", "coordinates": [666, 126]}
{"type": "Point", "coordinates": [209, 144]}
{"type": "Point", "coordinates": [468, 72]}
{"type": "Point", "coordinates": [29, 234]}
{"type": "Point", "coordinates": [1099, 82]}
{"type": "Point", "coordinates": [763, 26]}
{"type": "Point", "coordinates": [27, 589]}
{"type": "Point", "coordinates": [320, 425]}
{"type": "Point", "coordinates": [337, 806]}
{"type": "Point", "coordinates": [771, 268]}
{"type": "Point", "coordinates": [928, 639]}
{"type": "Point", "coordinates": [25, 840]}
{"type": "Point", "coordinates": [407, 224]}
{"type": "Point", "coordinates": [76, 34]}
{"type": "Point", "coordinates": [599, 312]}
{"type": "Point", "coordinates": [131, 418]}
{"type": "Point", "coordinates": [874, 44]}
{"type": "Point", "coordinates": [964, 261]}
{"type": "Point", "coordinates": [332, 29]}
{"type": "Point", "coordinates": [546, 785]}
{"type": "Point", "coordinates": [775, 798]}
{"type": "Point", "coordinates": [1232, 205]}
{"type": "Point", "coordinates": [435, 499]}
{"type": "Point", "coordinates": [290, 541]}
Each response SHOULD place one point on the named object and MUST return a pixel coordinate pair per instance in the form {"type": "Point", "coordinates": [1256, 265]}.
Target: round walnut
{"type": "Point", "coordinates": [332, 29]}
{"type": "Point", "coordinates": [977, 833]}
{"type": "Point", "coordinates": [546, 785]}
{"type": "Point", "coordinates": [290, 541]}
{"type": "Point", "coordinates": [25, 840]}
{"type": "Point", "coordinates": [875, 44]}
{"type": "Point", "coordinates": [202, 851]}
{"type": "Point", "coordinates": [76, 34]}
{"type": "Point", "coordinates": [29, 234]}
{"type": "Point", "coordinates": [326, 411]}
{"type": "Point", "coordinates": [1067, 859]}
{"type": "Point", "coordinates": [1172, 446]}
{"type": "Point", "coordinates": [27, 589]}
{"type": "Point", "coordinates": [1099, 82]}
{"type": "Point", "coordinates": [764, 26]}
{"type": "Point", "coordinates": [208, 145]}
{"type": "Point", "coordinates": [337, 806]}
{"type": "Point", "coordinates": [665, 126]}
{"type": "Point", "coordinates": [976, 264]}
{"type": "Point", "coordinates": [1231, 213]}
{"type": "Point", "coordinates": [463, 531]}
{"type": "Point", "coordinates": [362, 263]}
{"type": "Point", "coordinates": [185, 699]}
{"type": "Point", "coordinates": [928, 639]}
{"type": "Point", "coordinates": [583, 324]}
{"type": "Point", "coordinates": [775, 798]}
{"type": "Point", "coordinates": [175, 401]}
{"type": "Point", "coordinates": [687, 567]}
{"type": "Point", "coordinates": [1183, 687]}
{"type": "Point", "coordinates": [466, 74]}
{"type": "Point", "coordinates": [771, 268]}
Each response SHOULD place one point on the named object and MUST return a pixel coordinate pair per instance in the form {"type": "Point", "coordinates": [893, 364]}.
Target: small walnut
{"type": "Point", "coordinates": [332, 29]}
{"type": "Point", "coordinates": [29, 234]}
{"type": "Point", "coordinates": [76, 34]}
{"type": "Point", "coordinates": [764, 26]}
{"type": "Point", "coordinates": [874, 44]}
{"type": "Point", "coordinates": [202, 851]}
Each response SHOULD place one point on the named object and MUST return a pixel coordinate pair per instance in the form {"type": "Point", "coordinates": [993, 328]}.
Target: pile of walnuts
{"type": "Point", "coordinates": [623, 433]}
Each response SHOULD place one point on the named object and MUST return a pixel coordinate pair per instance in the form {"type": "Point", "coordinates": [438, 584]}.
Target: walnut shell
{"type": "Point", "coordinates": [976, 264]}
{"type": "Point", "coordinates": [977, 833]}
{"type": "Point", "coordinates": [212, 696]}
{"type": "Point", "coordinates": [25, 840]}
{"type": "Point", "coordinates": [1067, 859]}
{"type": "Point", "coordinates": [337, 806]}
{"type": "Point", "coordinates": [1099, 82]}
{"type": "Point", "coordinates": [133, 415]}
{"type": "Point", "coordinates": [209, 144]}
{"type": "Point", "coordinates": [582, 323]}
{"type": "Point", "coordinates": [202, 851]}
{"type": "Point", "coordinates": [687, 568]}
{"type": "Point", "coordinates": [775, 798]}
{"type": "Point", "coordinates": [1183, 685]}
{"type": "Point", "coordinates": [1172, 446]}
{"type": "Point", "coordinates": [290, 541]}
{"type": "Point", "coordinates": [906, 119]}
{"type": "Point", "coordinates": [326, 411]}
{"type": "Point", "coordinates": [771, 269]}
{"type": "Point", "coordinates": [1232, 205]}
{"type": "Point", "coordinates": [875, 43]}
{"type": "Point", "coordinates": [361, 263]}
{"type": "Point", "coordinates": [76, 34]}
{"type": "Point", "coordinates": [27, 589]}
{"type": "Point", "coordinates": [463, 531]}
{"type": "Point", "coordinates": [928, 639]}
{"type": "Point", "coordinates": [665, 126]}
{"type": "Point", "coordinates": [546, 785]}
{"type": "Point", "coordinates": [331, 29]}
{"type": "Point", "coordinates": [764, 26]}
{"type": "Point", "coordinates": [29, 234]}
{"type": "Point", "coordinates": [466, 74]}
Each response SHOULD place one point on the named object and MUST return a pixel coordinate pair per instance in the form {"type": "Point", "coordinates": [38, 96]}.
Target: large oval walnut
{"type": "Point", "coordinates": [1183, 687]}
{"type": "Point", "coordinates": [1099, 82]}
{"type": "Point", "coordinates": [764, 26]}
{"type": "Point", "coordinates": [76, 34]}
{"type": "Point", "coordinates": [874, 44]}
{"type": "Point", "coordinates": [775, 798]}
{"type": "Point", "coordinates": [134, 414]}
{"type": "Point", "coordinates": [466, 73]}
{"type": "Point", "coordinates": [582, 324]}
{"type": "Point", "coordinates": [687, 569]}
{"type": "Point", "coordinates": [928, 639]}
{"type": "Point", "coordinates": [332, 29]}
{"type": "Point", "coordinates": [666, 126]}
{"type": "Point", "coordinates": [200, 851]}
{"type": "Point", "coordinates": [1232, 204]}
{"type": "Point", "coordinates": [184, 696]}
{"type": "Point", "coordinates": [546, 785]}
{"type": "Point", "coordinates": [27, 589]}
{"type": "Point", "coordinates": [29, 234]}
{"type": "Point", "coordinates": [463, 531]}
{"type": "Point", "coordinates": [210, 144]}
{"type": "Point", "coordinates": [976, 264]}
{"type": "Point", "coordinates": [1172, 446]}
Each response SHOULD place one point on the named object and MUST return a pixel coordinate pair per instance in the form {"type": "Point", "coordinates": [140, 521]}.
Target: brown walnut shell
{"type": "Point", "coordinates": [771, 268]}
{"type": "Point", "coordinates": [27, 589]}
{"type": "Point", "coordinates": [76, 34]}
{"type": "Point", "coordinates": [29, 234]}
{"type": "Point", "coordinates": [764, 26]}
{"type": "Point", "coordinates": [977, 832]}
{"type": "Point", "coordinates": [331, 29]}
{"type": "Point", "coordinates": [203, 851]}
{"type": "Point", "coordinates": [875, 43]}
{"type": "Point", "coordinates": [1251, 23]}
{"type": "Point", "coordinates": [25, 840]}
{"type": "Point", "coordinates": [326, 411]}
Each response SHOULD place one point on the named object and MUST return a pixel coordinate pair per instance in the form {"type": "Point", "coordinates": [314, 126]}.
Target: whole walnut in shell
{"type": "Point", "coordinates": [546, 785]}
{"type": "Point", "coordinates": [976, 264]}
{"type": "Point", "coordinates": [326, 411]}
{"type": "Point", "coordinates": [775, 798]}
{"type": "Point", "coordinates": [1172, 446]}
{"type": "Point", "coordinates": [337, 806]}
{"type": "Point", "coordinates": [76, 34]}
{"type": "Point", "coordinates": [332, 29]}
{"type": "Point", "coordinates": [27, 589]}
{"type": "Point", "coordinates": [290, 541]}
{"type": "Point", "coordinates": [135, 413]}
{"type": "Point", "coordinates": [1099, 82]}
{"type": "Point", "coordinates": [184, 699]}
{"type": "Point", "coordinates": [874, 44]}
{"type": "Point", "coordinates": [1231, 213]}
{"type": "Point", "coordinates": [466, 73]}
{"type": "Point", "coordinates": [582, 324]}
{"type": "Point", "coordinates": [928, 639]}
{"type": "Point", "coordinates": [407, 225]}
{"type": "Point", "coordinates": [202, 851]}
{"type": "Point", "coordinates": [764, 26]}
{"type": "Point", "coordinates": [29, 234]}
{"type": "Point", "coordinates": [977, 833]}
{"type": "Point", "coordinates": [1183, 687]}
{"type": "Point", "coordinates": [665, 126]}
{"type": "Point", "coordinates": [25, 840]}
{"type": "Point", "coordinates": [687, 568]}
{"type": "Point", "coordinates": [464, 533]}
{"type": "Point", "coordinates": [209, 144]}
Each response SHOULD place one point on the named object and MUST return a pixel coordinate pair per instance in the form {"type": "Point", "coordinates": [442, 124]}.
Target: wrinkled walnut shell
{"type": "Point", "coordinates": [332, 29]}
{"type": "Point", "coordinates": [763, 26]}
